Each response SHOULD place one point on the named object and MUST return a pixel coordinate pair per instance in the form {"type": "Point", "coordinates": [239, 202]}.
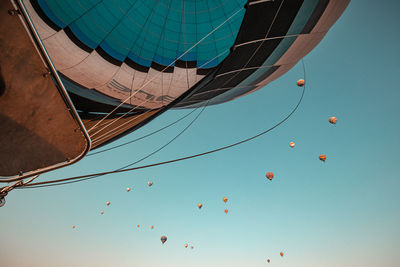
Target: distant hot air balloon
{"type": "Point", "coordinates": [268, 261]}
{"type": "Point", "coordinates": [226, 211]}
{"type": "Point", "coordinates": [301, 82]}
{"type": "Point", "coordinates": [152, 227]}
{"type": "Point", "coordinates": [281, 254]}
{"type": "Point", "coordinates": [225, 199]}
{"type": "Point", "coordinates": [101, 212]}
{"type": "Point", "coordinates": [73, 226]}
{"type": "Point", "coordinates": [191, 247]}
{"type": "Point", "coordinates": [108, 203]}
{"type": "Point", "coordinates": [186, 245]}
{"type": "Point", "coordinates": [322, 157]}
{"type": "Point", "coordinates": [269, 175]}
{"type": "Point", "coordinates": [128, 189]}
{"type": "Point", "coordinates": [333, 120]}
{"type": "Point", "coordinates": [200, 205]}
{"type": "Point", "coordinates": [291, 144]}
{"type": "Point", "coordinates": [163, 239]}
{"type": "Point", "coordinates": [150, 183]}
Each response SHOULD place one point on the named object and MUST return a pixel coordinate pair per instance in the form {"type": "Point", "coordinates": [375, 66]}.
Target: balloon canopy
{"type": "Point", "coordinates": [142, 57]}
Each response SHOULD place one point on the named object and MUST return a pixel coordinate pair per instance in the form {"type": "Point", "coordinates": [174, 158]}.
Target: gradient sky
{"type": "Point", "coordinates": [344, 212]}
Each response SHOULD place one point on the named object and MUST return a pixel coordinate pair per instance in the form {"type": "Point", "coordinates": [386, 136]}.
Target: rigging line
{"type": "Point", "coordinates": [144, 136]}
{"type": "Point", "coordinates": [191, 156]}
{"type": "Point", "coordinates": [140, 160]}
{"type": "Point", "coordinates": [187, 51]}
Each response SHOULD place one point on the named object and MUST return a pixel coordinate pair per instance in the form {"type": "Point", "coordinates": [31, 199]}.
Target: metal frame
{"type": "Point", "coordinates": [22, 13]}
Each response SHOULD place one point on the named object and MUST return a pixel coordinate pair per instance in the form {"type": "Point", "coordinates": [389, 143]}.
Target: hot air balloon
{"type": "Point", "coordinates": [269, 175]}
{"type": "Point", "coordinates": [291, 144]}
{"type": "Point", "coordinates": [322, 157]}
{"type": "Point", "coordinates": [108, 203]}
{"type": "Point", "coordinates": [192, 247]}
{"type": "Point", "coordinates": [199, 205]}
{"type": "Point", "coordinates": [101, 212]}
{"type": "Point", "coordinates": [281, 254]}
{"type": "Point", "coordinates": [128, 189]}
{"type": "Point", "coordinates": [152, 227]}
{"type": "Point", "coordinates": [103, 75]}
{"type": "Point", "coordinates": [186, 245]}
{"type": "Point", "coordinates": [268, 260]}
{"type": "Point", "coordinates": [73, 226]}
{"type": "Point", "coordinates": [225, 199]}
{"type": "Point", "coordinates": [333, 120]}
{"type": "Point", "coordinates": [138, 225]}
{"type": "Point", "coordinates": [226, 211]}
{"type": "Point", "coordinates": [163, 239]}
{"type": "Point", "coordinates": [150, 183]}
{"type": "Point", "coordinates": [301, 83]}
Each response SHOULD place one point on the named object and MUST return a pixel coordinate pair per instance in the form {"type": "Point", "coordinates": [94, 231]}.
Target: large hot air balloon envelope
{"type": "Point", "coordinates": [149, 56]}
{"type": "Point", "coordinates": [163, 239]}
{"type": "Point", "coordinates": [322, 157]}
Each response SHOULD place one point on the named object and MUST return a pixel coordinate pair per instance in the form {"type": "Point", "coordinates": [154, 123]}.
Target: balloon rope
{"type": "Point", "coordinates": [144, 136]}
{"type": "Point", "coordinates": [187, 157]}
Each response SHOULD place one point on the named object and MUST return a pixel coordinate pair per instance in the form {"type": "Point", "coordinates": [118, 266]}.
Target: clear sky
{"type": "Point", "coordinates": [344, 212]}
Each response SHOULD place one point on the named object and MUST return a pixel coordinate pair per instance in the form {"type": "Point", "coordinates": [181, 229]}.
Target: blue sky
{"type": "Point", "coordinates": [344, 212]}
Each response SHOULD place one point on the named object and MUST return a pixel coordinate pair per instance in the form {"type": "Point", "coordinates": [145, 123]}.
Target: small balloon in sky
{"type": "Point", "coordinates": [199, 205]}
{"type": "Point", "coordinates": [163, 239]}
{"type": "Point", "coordinates": [73, 226]}
{"type": "Point", "coordinates": [138, 225]}
{"type": "Point", "coordinates": [186, 245]}
{"type": "Point", "coordinates": [281, 254]}
{"type": "Point", "coordinates": [301, 83]}
{"type": "Point", "coordinates": [269, 175]}
{"type": "Point", "coordinates": [150, 183]}
{"type": "Point", "coordinates": [101, 212]}
{"type": "Point", "coordinates": [268, 260]}
{"type": "Point", "coordinates": [333, 120]}
{"type": "Point", "coordinates": [191, 247]}
{"type": "Point", "coordinates": [225, 199]}
{"type": "Point", "coordinates": [152, 227]}
{"type": "Point", "coordinates": [322, 157]}
{"type": "Point", "coordinates": [128, 189]}
{"type": "Point", "coordinates": [108, 203]}
{"type": "Point", "coordinates": [226, 211]}
{"type": "Point", "coordinates": [291, 144]}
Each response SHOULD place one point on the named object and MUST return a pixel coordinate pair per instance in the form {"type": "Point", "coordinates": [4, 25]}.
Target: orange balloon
{"type": "Point", "coordinates": [200, 205]}
{"type": "Point", "coordinates": [269, 175]}
{"type": "Point", "coordinates": [322, 157]}
{"type": "Point", "coordinates": [225, 199]}
{"type": "Point", "coordinates": [301, 83]}
{"type": "Point", "coordinates": [281, 254]}
{"type": "Point", "coordinates": [150, 183]}
{"type": "Point", "coordinates": [186, 245]}
{"type": "Point", "coordinates": [108, 203]}
{"type": "Point", "coordinates": [152, 227]}
{"type": "Point", "coordinates": [333, 120]}
{"type": "Point", "coordinates": [291, 144]}
{"type": "Point", "coordinates": [73, 226]}
{"type": "Point", "coordinates": [226, 211]}
{"type": "Point", "coordinates": [128, 189]}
